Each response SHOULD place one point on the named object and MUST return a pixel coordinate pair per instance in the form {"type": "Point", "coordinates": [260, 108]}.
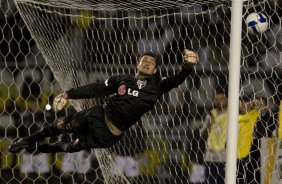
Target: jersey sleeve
{"type": "Point", "coordinates": [97, 89]}
{"type": "Point", "coordinates": [173, 81]}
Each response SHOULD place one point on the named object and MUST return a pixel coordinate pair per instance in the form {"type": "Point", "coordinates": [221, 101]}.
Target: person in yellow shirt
{"type": "Point", "coordinates": [255, 122]}
{"type": "Point", "coordinates": [248, 116]}
{"type": "Point", "coordinates": [216, 129]}
{"type": "Point", "coordinates": [266, 126]}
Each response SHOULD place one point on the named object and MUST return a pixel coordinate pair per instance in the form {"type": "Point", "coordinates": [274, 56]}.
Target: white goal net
{"type": "Point", "coordinates": [183, 140]}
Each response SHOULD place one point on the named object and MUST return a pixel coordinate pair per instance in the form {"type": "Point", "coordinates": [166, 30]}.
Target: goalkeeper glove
{"type": "Point", "coordinates": [190, 59]}
{"type": "Point", "coordinates": [60, 101]}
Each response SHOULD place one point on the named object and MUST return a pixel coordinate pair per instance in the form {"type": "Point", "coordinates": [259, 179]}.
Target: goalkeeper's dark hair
{"type": "Point", "coordinates": [158, 62]}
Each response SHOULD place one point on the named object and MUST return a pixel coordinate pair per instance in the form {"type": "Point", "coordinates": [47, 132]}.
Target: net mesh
{"type": "Point", "coordinates": [88, 41]}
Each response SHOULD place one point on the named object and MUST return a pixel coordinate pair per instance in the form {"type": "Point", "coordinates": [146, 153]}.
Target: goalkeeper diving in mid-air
{"type": "Point", "coordinates": [103, 125]}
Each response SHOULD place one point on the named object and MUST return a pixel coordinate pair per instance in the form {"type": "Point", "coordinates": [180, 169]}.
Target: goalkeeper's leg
{"type": "Point", "coordinates": [70, 147]}
{"type": "Point", "coordinates": [70, 124]}
{"type": "Point", "coordinates": [47, 131]}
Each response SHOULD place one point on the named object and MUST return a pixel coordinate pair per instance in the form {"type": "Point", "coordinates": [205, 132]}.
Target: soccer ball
{"type": "Point", "coordinates": [256, 23]}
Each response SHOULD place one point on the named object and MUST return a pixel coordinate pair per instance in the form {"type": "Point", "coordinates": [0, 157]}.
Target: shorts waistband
{"type": "Point", "coordinates": [113, 129]}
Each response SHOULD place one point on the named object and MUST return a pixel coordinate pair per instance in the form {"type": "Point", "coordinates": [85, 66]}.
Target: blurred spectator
{"type": "Point", "coordinates": [76, 163]}
{"type": "Point", "coordinates": [33, 162]}
{"type": "Point", "coordinates": [247, 120]}
{"type": "Point", "coordinates": [27, 81]}
{"type": "Point", "coordinates": [215, 130]}
{"type": "Point", "coordinates": [279, 118]}
{"type": "Point", "coordinates": [7, 89]}
{"type": "Point", "coordinates": [7, 133]}
{"type": "Point", "coordinates": [154, 157]}
{"type": "Point", "coordinates": [265, 126]}
{"type": "Point", "coordinates": [196, 151]}
{"type": "Point", "coordinates": [126, 159]}
{"type": "Point", "coordinates": [195, 144]}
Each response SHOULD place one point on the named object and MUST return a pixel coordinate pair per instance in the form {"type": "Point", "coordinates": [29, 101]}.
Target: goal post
{"type": "Point", "coordinates": [85, 41]}
{"type": "Point", "coordinates": [233, 92]}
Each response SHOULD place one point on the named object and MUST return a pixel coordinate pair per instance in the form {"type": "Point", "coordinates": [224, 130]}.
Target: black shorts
{"type": "Point", "coordinates": [90, 127]}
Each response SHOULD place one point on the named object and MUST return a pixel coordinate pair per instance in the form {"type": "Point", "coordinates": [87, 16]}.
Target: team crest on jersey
{"type": "Point", "coordinates": [141, 83]}
{"type": "Point", "coordinates": [121, 90]}
{"type": "Point", "coordinates": [72, 125]}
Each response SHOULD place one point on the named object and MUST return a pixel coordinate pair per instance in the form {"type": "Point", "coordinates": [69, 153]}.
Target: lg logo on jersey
{"type": "Point", "coordinates": [122, 91]}
{"type": "Point", "coordinates": [132, 92]}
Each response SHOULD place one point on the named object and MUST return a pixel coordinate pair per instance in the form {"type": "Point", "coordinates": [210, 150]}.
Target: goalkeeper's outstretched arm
{"type": "Point", "coordinates": [190, 60]}
{"type": "Point", "coordinates": [98, 89]}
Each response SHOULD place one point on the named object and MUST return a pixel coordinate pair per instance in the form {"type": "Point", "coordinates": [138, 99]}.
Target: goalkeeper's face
{"type": "Point", "coordinates": [147, 65]}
